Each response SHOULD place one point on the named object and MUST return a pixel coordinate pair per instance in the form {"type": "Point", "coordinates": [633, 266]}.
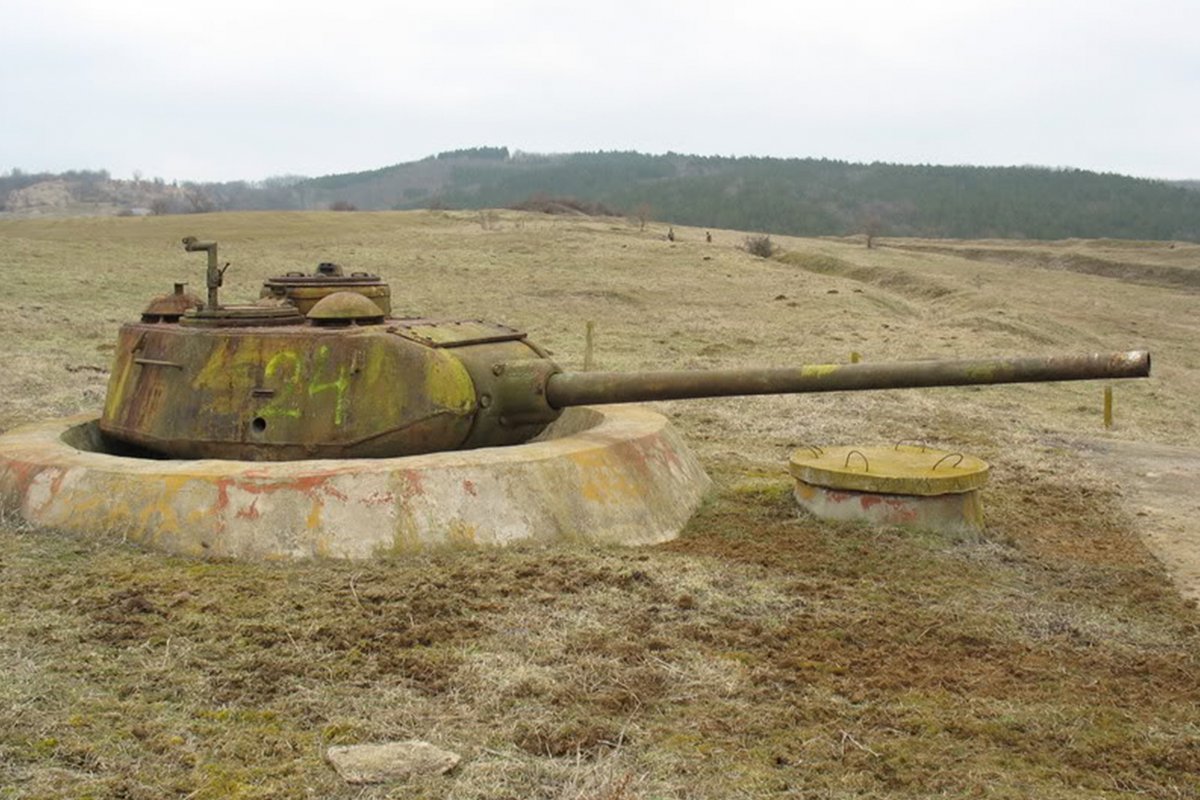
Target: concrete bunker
{"type": "Point", "coordinates": [314, 423]}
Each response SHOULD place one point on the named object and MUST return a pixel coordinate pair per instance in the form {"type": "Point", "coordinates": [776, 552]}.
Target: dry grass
{"type": "Point", "coordinates": [761, 654]}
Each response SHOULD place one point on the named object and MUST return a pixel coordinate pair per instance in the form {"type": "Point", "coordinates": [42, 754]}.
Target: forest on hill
{"type": "Point", "coordinates": [798, 196]}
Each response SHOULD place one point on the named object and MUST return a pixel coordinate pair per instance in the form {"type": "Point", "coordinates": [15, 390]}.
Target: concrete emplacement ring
{"type": "Point", "coordinates": [612, 474]}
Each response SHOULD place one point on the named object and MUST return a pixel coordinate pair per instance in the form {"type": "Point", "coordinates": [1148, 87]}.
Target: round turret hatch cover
{"type": "Point", "coordinates": [896, 469]}
{"type": "Point", "coordinates": [345, 307]}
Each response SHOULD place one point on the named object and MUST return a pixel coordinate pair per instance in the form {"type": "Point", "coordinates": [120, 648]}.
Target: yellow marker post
{"type": "Point", "coordinates": [588, 346]}
{"type": "Point", "coordinates": [1108, 407]}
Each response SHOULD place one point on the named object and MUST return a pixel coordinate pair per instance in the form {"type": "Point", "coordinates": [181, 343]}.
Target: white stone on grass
{"type": "Point", "coordinates": [391, 761]}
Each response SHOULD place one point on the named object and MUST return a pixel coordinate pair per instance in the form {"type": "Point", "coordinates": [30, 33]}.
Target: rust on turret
{"type": "Point", "coordinates": [319, 368]}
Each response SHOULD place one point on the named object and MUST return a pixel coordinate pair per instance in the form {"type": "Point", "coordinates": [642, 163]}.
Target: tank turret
{"type": "Point", "coordinates": [318, 368]}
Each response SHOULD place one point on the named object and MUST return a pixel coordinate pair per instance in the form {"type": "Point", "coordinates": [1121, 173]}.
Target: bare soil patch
{"type": "Point", "coordinates": [1160, 489]}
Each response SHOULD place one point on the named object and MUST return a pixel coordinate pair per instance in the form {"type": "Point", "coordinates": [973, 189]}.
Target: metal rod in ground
{"type": "Point", "coordinates": [588, 346]}
{"type": "Point", "coordinates": [1108, 410]}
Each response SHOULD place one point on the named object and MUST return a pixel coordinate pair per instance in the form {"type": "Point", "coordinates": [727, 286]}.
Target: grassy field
{"type": "Point", "coordinates": [761, 654]}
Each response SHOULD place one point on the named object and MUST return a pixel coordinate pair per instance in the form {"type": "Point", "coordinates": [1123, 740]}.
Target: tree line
{"type": "Point", "coordinates": [798, 196]}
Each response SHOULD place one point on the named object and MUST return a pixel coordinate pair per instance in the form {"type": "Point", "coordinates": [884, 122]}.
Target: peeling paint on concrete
{"type": "Point", "coordinates": [956, 512]}
{"type": "Point", "coordinates": [617, 475]}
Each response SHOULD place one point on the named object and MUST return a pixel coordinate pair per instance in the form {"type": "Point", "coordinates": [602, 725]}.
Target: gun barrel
{"type": "Point", "coordinates": [586, 388]}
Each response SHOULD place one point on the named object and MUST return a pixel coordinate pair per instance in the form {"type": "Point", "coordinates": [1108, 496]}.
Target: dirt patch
{"type": "Point", "coordinates": [1160, 485]}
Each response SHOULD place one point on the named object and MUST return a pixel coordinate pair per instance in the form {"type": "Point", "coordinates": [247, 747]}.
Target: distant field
{"type": "Point", "coordinates": [760, 654]}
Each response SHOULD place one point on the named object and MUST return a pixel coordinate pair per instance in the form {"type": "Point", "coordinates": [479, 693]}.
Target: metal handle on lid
{"type": "Point", "coordinates": [866, 464]}
{"type": "Point", "coordinates": [947, 457]}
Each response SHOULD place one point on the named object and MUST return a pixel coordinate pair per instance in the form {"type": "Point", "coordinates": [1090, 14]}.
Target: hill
{"type": "Point", "coordinates": [790, 196]}
{"type": "Point", "coordinates": [799, 196]}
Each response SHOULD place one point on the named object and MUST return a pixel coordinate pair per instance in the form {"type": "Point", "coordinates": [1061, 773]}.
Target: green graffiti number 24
{"type": "Point", "coordinates": [297, 382]}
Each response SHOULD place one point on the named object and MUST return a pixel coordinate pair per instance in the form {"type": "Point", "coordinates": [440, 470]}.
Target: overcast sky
{"type": "Point", "coordinates": [241, 89]}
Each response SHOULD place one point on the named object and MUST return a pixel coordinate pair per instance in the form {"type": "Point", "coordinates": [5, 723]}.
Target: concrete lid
{"type": "Point", "coordinates": [898, 469]}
